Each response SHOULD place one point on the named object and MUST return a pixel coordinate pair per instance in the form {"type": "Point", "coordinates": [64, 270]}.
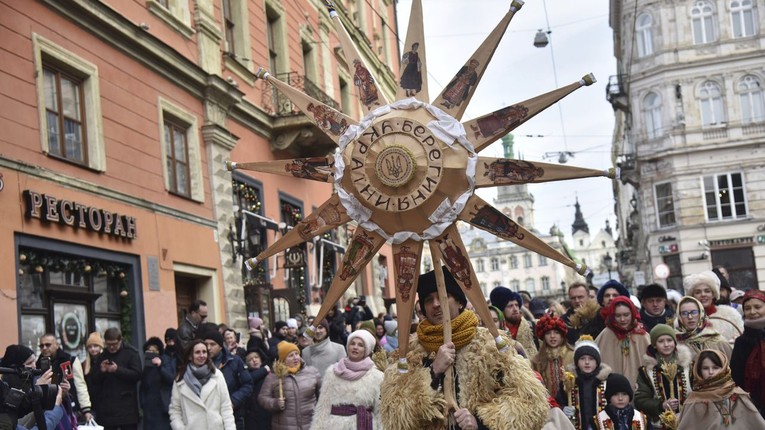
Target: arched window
{"type": "Point", "coordinates": [515, 285]}
{"type": "Point", "coordinates": [644, 36]}
{"type": "Point", "coordinates": [750, 95]}
{"type": "Point", "coordinates": [711, 101]}
{"type": "Point", "coordinates": [526, 260]}
{"type": "Point", "coordinates": [652, 115]}
{"type": "Point", "coordinates": [702, 19]}
{"type": "Point", "coordinates": [742, 18]}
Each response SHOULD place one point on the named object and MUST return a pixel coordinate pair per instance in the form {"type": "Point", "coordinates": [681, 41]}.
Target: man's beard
{"type": "Point", "coordinates": [514, 319]}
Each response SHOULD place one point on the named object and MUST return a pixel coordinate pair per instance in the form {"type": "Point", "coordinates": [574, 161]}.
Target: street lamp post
{"type": "Point", "coordinates": [608, 261]}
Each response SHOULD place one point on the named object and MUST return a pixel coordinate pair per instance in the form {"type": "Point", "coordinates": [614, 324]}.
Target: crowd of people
{"type": "Point", "coordinates": [603, 359]}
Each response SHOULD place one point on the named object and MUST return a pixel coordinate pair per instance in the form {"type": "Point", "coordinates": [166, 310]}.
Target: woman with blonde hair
{"type": "Point", "coordinates": [200, 398]}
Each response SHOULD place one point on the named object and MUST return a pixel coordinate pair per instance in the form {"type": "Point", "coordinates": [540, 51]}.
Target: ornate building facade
{"type": "Point", "coordinates": [690, 122]}
{"type": "Point", "coordinates": [118, 118]}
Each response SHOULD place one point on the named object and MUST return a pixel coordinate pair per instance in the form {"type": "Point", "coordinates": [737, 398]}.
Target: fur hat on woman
{"type": "Point", "coordinates": [366, 337]}
{"type": "Point", "coordinates": [706, 277]}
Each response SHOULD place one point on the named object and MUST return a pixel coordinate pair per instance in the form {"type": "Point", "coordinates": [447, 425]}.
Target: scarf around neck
{"type": "Point", "coordinates": [195, 377]}
{"type": "Point", "coordinates": [352, 370]}
{"type": "Point", "coordinates": [464, 327]}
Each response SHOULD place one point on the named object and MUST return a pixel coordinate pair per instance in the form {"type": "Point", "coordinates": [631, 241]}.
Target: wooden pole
{"type": "Point", "coordinates": [443, 298]}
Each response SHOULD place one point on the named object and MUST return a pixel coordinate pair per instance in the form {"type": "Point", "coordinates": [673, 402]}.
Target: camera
{"type": "Point", "coordinates": [20, 396]}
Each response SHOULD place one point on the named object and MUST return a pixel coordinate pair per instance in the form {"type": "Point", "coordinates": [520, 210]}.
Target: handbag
{"type": "Point", "coordinates": [90, 425]}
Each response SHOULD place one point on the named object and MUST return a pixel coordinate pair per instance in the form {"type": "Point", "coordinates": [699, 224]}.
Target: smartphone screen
{"type": "Point", "coordinates": [148, 356]}
{"type": "Point", "coordinates": [66, 370]}
{"type": "Point", "coordinates": [44, 363]}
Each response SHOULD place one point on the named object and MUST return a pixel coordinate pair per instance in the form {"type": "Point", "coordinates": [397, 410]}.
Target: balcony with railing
{"type": "Point", "coordinates": [292, 130]}
{"type": "Point", "coordinates": [616, 92]}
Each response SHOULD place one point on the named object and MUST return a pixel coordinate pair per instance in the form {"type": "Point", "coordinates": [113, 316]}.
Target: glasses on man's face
{"type": "Point", "coordinates": [111, 344]}
{"type": "Point", "coordinates": [687, 314]}
{"type": "Point", "coordinates": [45, 345]}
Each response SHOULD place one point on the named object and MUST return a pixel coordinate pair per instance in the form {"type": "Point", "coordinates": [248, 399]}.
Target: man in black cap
{"type": "Point", "coordinates": [494, 389]}
{"type": "Point", "coordinates": [653, 307]}
{"type": "Point", "coordinates": [519, 328]}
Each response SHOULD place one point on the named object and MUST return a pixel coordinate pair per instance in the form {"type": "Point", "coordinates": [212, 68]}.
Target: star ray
{"type": "Point", "coordinates": [414, 75]}
{"type": "Point", "coordinates": [319, 169]}
{"type": "Point", "coordinates": [497, 172]}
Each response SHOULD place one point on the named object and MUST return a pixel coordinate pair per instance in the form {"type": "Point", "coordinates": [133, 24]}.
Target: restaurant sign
{"type": "Point", "coordinates": [51, 209]}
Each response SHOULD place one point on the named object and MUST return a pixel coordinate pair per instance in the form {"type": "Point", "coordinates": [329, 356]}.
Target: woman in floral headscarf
{"type": "Point", "coordinates": [694, 329]}
{"type": "Point", "coordinates": [716, 402]}
{"type": "Point", "coordinates": [748, 361]}
{"type": "Point", "coordinates": [624, 340]}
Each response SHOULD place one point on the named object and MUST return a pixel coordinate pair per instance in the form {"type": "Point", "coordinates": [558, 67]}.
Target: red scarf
{"type": "Point", "coordinates": [635, 327]}
{"type": "Point", "coordinates": [513, 329]}
{"type": "Point", "coordinates": [711, 309]}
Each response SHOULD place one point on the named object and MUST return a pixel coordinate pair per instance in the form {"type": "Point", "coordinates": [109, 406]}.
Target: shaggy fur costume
{"type": "Point", "coordinates": [728, 322]}
{"type": "Point", "coordinates": [499, 389]}
{"type": "Point", "coordinates": [335, 390]}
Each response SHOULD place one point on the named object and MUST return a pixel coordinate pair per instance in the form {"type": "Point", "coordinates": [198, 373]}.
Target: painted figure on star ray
{"type": "Point", "coordinates": [411, 77]}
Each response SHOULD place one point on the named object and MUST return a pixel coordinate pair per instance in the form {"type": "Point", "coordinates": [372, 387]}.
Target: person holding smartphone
{"type": "Point", "coordinates": [116, 373]}
{"type": "Point", "coordinates": [155, 412]}
{"type": "Point", "coordinates": [66, 367]}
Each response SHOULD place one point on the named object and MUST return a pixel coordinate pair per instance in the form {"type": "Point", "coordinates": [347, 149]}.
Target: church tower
{"type": "Point", "coordinates": [580, 231]}
{"type": "Point", "coordinates": [515, 201]}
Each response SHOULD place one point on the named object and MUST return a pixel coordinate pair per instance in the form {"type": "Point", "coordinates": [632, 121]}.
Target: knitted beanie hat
{"type": "Point", "coordinates": [213, 335]}
{"type": "Point", "coordinates": [254, 323]}
{"type": "Point", "coordinates": [660, 330]}
{"type": "Point", "coordinates": [364, 335]}
{"type": "Point", "coordinates": [95, 339]}
{"type": "Point", "coordinates": [292, 323]}
{"type": "Point", "coordinates": [16, 356]}
{"type": "Point", "coordinates": [706, 277]}
{"type": "Point", "coordinates": [279, 324]}
{"type": "Point", "coordinates": [284, 348]}
{"type": "Point", "coordinates": [586, 346]}
{"type": "Point", "coordinates": [617, 383]}
{"type": "Point", "coordinates": [390, 327]}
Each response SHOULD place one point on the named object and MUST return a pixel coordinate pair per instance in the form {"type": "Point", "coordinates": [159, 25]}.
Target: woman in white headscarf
{"type": "Point", "coordinates": [350, 392]}
{"type": "Point", "coordinates": [705, 287]}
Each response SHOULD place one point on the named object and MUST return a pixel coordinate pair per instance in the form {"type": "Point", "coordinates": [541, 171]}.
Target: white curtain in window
{"type": "Point", "coordinates": [751, 97]}
{"type": "Point", "coordinates": [702, 19]}
{"type": "Point", "coordinates": [644, 37]}
{"type": "Point", "coordinates": [742, 18]}
{"type": "Point", "coordinates": [710, 98]}
{"type": "Point", "coordinates": [652, 115]}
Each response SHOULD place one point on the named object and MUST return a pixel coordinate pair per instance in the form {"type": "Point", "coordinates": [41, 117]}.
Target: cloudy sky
{"type": "Point", "coordinates": [580, 43]}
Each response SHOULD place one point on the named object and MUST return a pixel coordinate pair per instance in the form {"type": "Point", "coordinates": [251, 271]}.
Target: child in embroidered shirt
{"type": "Point", "coordinates": [619, 414]}
{"type": "Point", "coordinates": [582, 392]}
{"type": "Point", "coordinates": [664, 382]}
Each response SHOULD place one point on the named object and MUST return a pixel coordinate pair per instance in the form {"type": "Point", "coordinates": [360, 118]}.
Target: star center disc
{"type": "Point", "coordinates": [395, 166]}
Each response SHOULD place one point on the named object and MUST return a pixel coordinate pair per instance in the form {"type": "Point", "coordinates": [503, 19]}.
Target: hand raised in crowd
{"type": "Point", "coordinates": [108, 366]}
{"type": "Point", "coordinates": [281, 403]}
{"type": "Point", "coordinates": [444, 358]}
{"type": "Point", "coordinates": [59, 396]}
{"type": "Point", "coordinates": [465, 419]}
{"type": "Point", "coordinates": [65, 387]}
{"type": "Point", "coordinates": [45, 378]}
{"type": "Point", "coordinates": [156, 361]}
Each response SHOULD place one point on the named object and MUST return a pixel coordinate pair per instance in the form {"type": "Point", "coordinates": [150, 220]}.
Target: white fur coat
{"type": "Point", "coordinates": [364, 391]}
{"type": "Point", "coordinates": [728, 322]}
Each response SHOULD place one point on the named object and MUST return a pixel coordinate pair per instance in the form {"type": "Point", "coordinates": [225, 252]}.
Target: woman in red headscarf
{"type": "Point", "coordinates": [748, 361]}
{"type": "Point", "coordinates": [624, 340]}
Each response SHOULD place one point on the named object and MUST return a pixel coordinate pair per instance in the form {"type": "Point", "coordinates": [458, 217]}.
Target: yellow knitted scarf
{"type": "Point", "coordinates": [431, 336]}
